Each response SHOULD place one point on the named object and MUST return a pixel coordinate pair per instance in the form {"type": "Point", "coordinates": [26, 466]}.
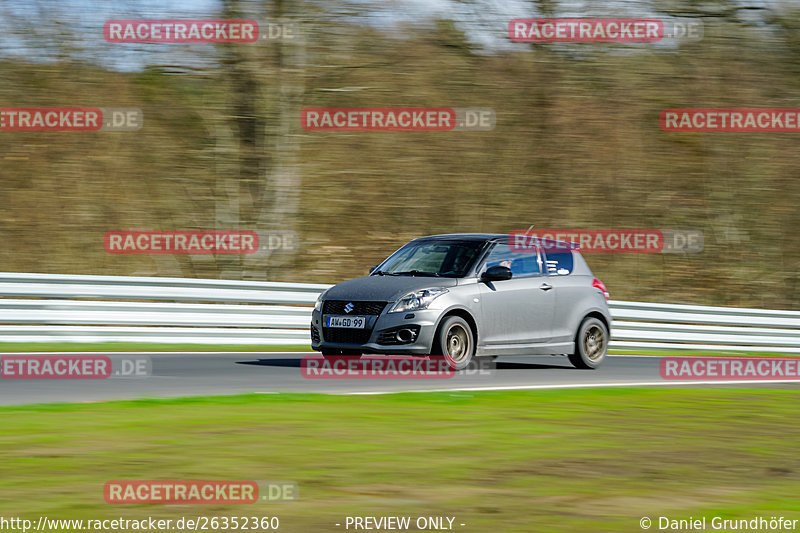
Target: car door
{"type": "Point", "coordinates": [568, 290]}
{"type": "Point", "coordinates": [518, 310]}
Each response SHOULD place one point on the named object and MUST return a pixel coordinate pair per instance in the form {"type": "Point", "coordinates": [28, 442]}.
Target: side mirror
{"type": "Point", "coordinates": [372, 268]}
{"type": "Point", "coordinates": [496, 273]}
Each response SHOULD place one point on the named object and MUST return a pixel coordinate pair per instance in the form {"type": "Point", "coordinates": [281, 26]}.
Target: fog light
{"type": "Point", "coordinates": [406, 335]}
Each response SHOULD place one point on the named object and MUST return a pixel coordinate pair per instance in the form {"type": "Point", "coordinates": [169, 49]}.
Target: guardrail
{"type": "Point", "coordinates": [700, 327]}
{"type": "Point", "coordinates": [78, 308]}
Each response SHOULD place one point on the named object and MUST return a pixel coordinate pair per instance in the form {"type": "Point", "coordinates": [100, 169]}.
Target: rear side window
{"type": "Point", "coordinates": [560, 263]}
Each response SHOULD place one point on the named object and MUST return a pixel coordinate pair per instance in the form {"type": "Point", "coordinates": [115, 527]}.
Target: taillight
{"type": "Point", "coordinates": [599, 285]}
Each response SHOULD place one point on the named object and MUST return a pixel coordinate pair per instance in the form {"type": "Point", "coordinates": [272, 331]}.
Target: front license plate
{"type": "Point", "coordinates": [358, 322]}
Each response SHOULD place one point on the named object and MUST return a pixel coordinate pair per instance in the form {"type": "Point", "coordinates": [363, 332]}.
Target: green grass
{"type": "Point", "coordinates": [578, 460]}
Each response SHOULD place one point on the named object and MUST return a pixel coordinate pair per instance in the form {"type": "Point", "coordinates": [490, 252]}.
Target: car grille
{"type": "Point", "coordinates": [314, 335]}
{"type": "Point", "coordinates": [346, 335]}
{"type": "Point", "coordinates": [336, 307]}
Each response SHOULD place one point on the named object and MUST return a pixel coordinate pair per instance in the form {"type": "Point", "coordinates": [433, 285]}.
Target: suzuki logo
{"type": "Point", "coordinates": [349, 307]}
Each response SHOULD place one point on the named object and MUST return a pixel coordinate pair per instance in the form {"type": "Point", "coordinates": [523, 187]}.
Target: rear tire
{"type": "Point", "coordinates": [455, 342]}
{"type": "Point", "coordinates": [591, 344]}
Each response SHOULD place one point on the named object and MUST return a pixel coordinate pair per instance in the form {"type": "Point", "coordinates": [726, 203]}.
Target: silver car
{"type": "Point", "coordinates": [469, 295]}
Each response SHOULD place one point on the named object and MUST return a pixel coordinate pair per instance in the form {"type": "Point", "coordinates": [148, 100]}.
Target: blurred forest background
{"type": "Point", "coordinates": [577, 142]}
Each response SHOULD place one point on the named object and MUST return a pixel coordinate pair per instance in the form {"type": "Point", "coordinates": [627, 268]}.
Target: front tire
{"type": "Point", "coordinates": [591, 344]}
{"type": "Point", "coordinates": [455, 342]}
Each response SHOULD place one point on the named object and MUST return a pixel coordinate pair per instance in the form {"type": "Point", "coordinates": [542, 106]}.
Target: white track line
{"type": "Point", "coordinates": [206, 352]}
{"type": "Point", "coordinates": [585, 386]}
{"type": "Point", "coordinates": [103, 352]}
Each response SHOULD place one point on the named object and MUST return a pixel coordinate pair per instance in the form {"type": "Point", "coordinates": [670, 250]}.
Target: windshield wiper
{"type": "Point", "coordinates": [418, 273]}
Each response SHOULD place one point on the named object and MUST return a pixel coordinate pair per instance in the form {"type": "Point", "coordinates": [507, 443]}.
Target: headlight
{"type": "Point", "coordinates": [318, 303]}
{"type": "Point", "coordinates": [417, 300]}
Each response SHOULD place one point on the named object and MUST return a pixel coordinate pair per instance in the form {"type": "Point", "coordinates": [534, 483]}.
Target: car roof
{"type": "Point", "coordinates": [466, 236]}
{"type": "Point", "coordinates": [486, 237]}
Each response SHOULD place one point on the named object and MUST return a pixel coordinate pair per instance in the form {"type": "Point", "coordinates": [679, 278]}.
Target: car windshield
{"type": "Point", "coordinates": [451, 259]}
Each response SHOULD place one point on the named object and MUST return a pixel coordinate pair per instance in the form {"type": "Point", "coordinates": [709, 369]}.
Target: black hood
{"type": "Point", "coordinates": [384, 288]}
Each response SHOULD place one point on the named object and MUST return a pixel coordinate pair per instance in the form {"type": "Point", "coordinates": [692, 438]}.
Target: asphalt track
{"type": "Point", "coordinates": [202, 374]}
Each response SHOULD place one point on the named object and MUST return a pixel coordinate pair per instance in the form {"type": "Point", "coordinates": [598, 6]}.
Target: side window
{"type": "Point", "coordinates": [559, 263]}
{"type": "Point", "coordinates": [522, 265]}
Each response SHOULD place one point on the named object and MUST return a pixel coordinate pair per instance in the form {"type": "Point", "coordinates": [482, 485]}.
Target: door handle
{"type": "Point", "coordinates": [545, 286]}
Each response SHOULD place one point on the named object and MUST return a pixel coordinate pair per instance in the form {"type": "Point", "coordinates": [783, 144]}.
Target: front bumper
{"type": "Point", "coordinates": [425, 320]}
